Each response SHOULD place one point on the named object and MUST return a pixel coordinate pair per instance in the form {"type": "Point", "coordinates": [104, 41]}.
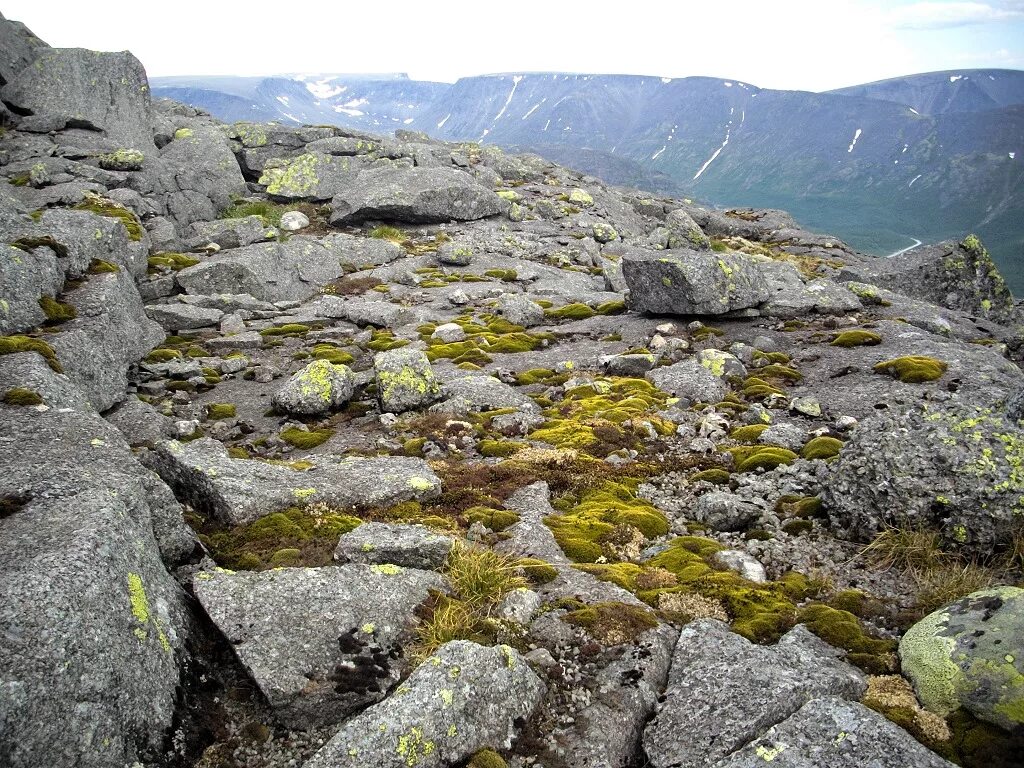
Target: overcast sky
{"type": "Point", "coordinates": [795, 44]}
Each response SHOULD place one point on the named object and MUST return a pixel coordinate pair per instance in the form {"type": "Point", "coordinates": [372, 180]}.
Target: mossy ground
{"type": "Point", "coordinates": [112, 210]}
{"type": "Point", "coordinates": [913, 369]}
{"type": "Point", "coordinates": [305, 440]}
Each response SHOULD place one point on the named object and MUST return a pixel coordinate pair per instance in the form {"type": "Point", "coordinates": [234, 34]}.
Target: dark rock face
{"type": "Point", "coordinates": [417, 196]}
{"type": "Point", "coordinates": [61, 84]}
{"type": "Point", "coordinates": [957, 275]}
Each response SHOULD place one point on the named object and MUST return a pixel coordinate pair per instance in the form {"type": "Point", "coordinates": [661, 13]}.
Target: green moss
{"type": "Point", "coordinates": [798, 506]}
{"type": "Point", "coordinates": [217, 411]}
{"type": "Point", "coordinates": [499, 448]}
{"type": "Point", "coordinates": [10, 345]}
{"type": "Point", "coordinates": [286, 558]}
{"type": "Point", "coordinates": [537, 571]}
{"type": "Point", "coordinates": [912, 369]}
{"type": "Point", "coordinates": [487, 758]}
{"type": "Point", "coordinates": [749, 458]}
{"type": "Point", "coordinates": [332, 354]}
{"type": "Point", "coordinates": [111, 210]}
{"type": "Point", "coordinates": [22, 396]}
{"type": "Point", "coordinates": [843, 630]}
{"type": "Point", "coordinates": [856, 338]}
{"type": "Point", "coordinates": [172, 261]}
{"type": "Point", "coordinates": [776, 371]}
{"type": "Point", "coordinates": [394, 234]}
{"type": "Point", "coordinates": [612, 623]}
{"type": "Point", "coordinates": [495, 519]}
{"type": "Point", "coordinates": [384, 341]}
{"type": "Point", "coordinates": [101, 267]}
{"type": "Point", "coordinates": [253, 546]}
{"type": "Point", "coordinates": [717, 476]}
{"type": "Point", "coordinates": [57, 312]}
{"type": "Point", "coordinates": [823, 447]}
{"type": "Point", "coordinates": [749, 433]}
{"type": "Point", "coordinates": [614, 307]}
{"type": "Point", "coordinates": [505, 275]}
{"type": "Point", "coordinates": [706, 331]}
{"type": "Point", "coordinates": [798, 527]}
{"type": "Point", "coordinates": [576, 311]}
{"type": "Point", "coordinates": [306, 440]}
{"type": "Point", "coordinates": [288, 329]}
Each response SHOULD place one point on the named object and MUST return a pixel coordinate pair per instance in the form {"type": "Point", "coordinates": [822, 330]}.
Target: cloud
{"type": "Point", "coordinates": [942, 15]}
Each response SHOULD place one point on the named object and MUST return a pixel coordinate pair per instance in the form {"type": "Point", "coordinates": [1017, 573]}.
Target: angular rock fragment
{"type": "Point", "coordinates": [320, 643]}
{"type": "Point", "coordinates": [410, 546]}
{"type": "Point", "coordinates": [316, 390]}
{"type": "Point", "coordinates": [405, 380]}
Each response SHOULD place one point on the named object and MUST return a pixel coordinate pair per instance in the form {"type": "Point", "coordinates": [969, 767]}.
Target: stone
{"type": "Point", "coordinates": [139, 422]}
{"type": "Point", "coordinates": [970, 654]}
{"type": "Point", "coordinates": [838, 734]}
{"type": "Point", "coordinates": [17, 48]}
{"type": "Point", "coordinates": [95, 630]}
{"type": "Point", "coordinates": [1015, 407]}
{"type": "Point", "coordinates": [520, 606]}
{"type": "Point", "coordinates": [62, 82]}
{"type": "Point", "coordinates": [410, 546]}
{"type": "Point", "coordinates": [603, 233]}
{"type": "Point", "coordinates": [26, 275]}
{"type": "Point", "coordinates": [110, 334]}
{"type": "Point", "coordinates": [469, 394]}
{"type": "Point", "coordinates": [790, 296]}
{"type": "Point", "coordinates": [248, 340]}
{"type": "Point", "coordinates": [405, 380]}
{"type": "Point", "coordinates": [320, 643]}
{"type": "Point", "coordinates": [310, 176]}
{"type": "Point", "coordinates": [725, 511]}
{"type": "Point", "coordinates": [455, 255]}
{"type": "Point", "coordinates": [460, 700]}
{"type": "Point", "coordinates": [721, 364]}
{"type": "Point", "coordinates": [790, 436]}
{"type": "Point", "coordinates": [177, 317]}
{"type": "Point", "coordinates": [378, 313]}
{"type": "Point", "coordinates": [293, 221]}
{"type": "Point", "coordinates": [293, 270]}
{"type": "Point", "coordinates": [228, 233]}
{"type": "Point", "coordinates": [632, 366]}
{"type": "Point", "coordinates": [238, 491]}
{"type": "Point", "coordinates": [724, 691]}
{"type": "Point", "coordinates": [449, 332]}
{"type": "Point", "coordinates": [744, 564]}
{"type": "Point", "coordinates": [689, 381]}
{"type": "Point", "coordinates": [687, 282]}
{"type": "Point", "coordinates": [949, 467]}
{"type": "Point", "coordinates": [684, 232]}
{"type": "Point", "coordinates": [808, 406]}
{"type": "Point", "coordinates": [416, 196]}
{"type": "Point", "coordinates": [316, 390]}
{"type": "Point", "coordinates": [519, 310]}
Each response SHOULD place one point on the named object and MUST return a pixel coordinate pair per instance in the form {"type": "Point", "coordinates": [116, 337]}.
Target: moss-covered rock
{"type": "Point", "coordinates": [912, 369]}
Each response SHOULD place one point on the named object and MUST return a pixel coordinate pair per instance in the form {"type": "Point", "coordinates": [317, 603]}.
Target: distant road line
{"type": "Point", "coordinates": [904, 250]}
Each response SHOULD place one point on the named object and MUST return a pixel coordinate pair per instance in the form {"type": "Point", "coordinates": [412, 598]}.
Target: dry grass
{"type": "Point", "coordinates": [906, 549]}
{"type": "Point", "coordinates": [950, 581]}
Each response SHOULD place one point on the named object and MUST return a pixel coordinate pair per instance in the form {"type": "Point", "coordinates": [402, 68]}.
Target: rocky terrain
{"type": "Point", "coordinates": [324, 449]}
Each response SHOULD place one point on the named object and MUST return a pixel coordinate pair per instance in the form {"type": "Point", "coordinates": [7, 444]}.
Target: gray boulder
{"type": "Point", "coordinates": [310, 176]}
{"type": "Point", "coordinates": [26, 275]}
{"type": "Point", "coordinates": [292, 270]}
{"type": "Point", "coordinates": [462, 699]}
{"type": "Point", "coordinates": [178, 317]}
{"type": "Point", "coordinates": [684, 232]}
{"type": "Point", "coordinates": [519, 310]}
{"type": "Point", "coordinates": [833, 733]}
{"type": "Point", "coordinates": [140, 423]}
{"type": "Point", "coordinates": [62, 83]}
{"type": "Point", "coordinates": [634, 365]}
{"type": "Point", "coordinates": [238, 491]}
{"type": "Point", "coordinates": [410, 546]}
{"type": "Point", "coordinates": [94, 627]}
{"type": "Point", "coordinates": [725, 511]}
{"type": "Point", "coordinates": [81, 238]}
{"type": "Point", "coordinates": [690, 381]}
{"type": "Point", "coordinates": [949, 466]}
{"type": "Point", "coordinates": [724, 691]}
{"type": "Point", "coordinates": [405, 380]}
{"type": "Point", "coordinates": [320, 643]}
{"type": "Point", "coordinates": [468, 394]}
{"type": "Point", "coordinates": [686, 282]}
{"type": "Point", "coordinates": [110, 334]}
{"type": "Point", "coordinates": [415, 195]}
{"type": "Point", "coordinates": [17, 48]}
{"type": "Point", "coordinates": [1015, 407]}
{"type": "Point", "coordinates": [379, 313]}
{"type": "Point", "coordinates": [316, 390]}
{"type": "Point", "coordinates": [970, 654]}
{"type": "Point", "coordinates": [229, 233]}
{"type": "Point", "coordinates": [790, 296]}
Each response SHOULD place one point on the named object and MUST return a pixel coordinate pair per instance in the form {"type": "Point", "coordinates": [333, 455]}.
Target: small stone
{"type": "Point", "coordinates": [808, 406]}
{"type": "Point", "coordinates": [455, 255]}
{"type": "Point", "coordinates": [292, 221]}
{"type": "Point", "coordinates": [449, 332]}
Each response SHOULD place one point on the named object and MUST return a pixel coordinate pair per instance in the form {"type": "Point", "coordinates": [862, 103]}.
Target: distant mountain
{"type": "Point", "coordinates": [882, 165]}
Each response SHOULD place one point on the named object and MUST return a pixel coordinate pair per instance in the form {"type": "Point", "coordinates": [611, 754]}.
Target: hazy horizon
{"type": "Point", "coordinates": [788, 45]}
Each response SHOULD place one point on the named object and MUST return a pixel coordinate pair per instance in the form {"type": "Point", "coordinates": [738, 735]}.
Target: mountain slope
{"type": "Point", "coordinates": [882, 165]}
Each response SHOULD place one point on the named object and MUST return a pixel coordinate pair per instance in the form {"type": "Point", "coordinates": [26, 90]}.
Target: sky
{"type": "Point", "coordinates": [790, 44]}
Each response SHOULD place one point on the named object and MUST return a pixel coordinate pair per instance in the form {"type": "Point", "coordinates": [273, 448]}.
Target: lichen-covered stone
{"type": "Point", "coordinates": [320, 643]}
{"type": "Point", "coordinates": [947, 466]}
{"type": "Point", "coordinates": [689, 381]}
{"type": "Point", "coordinates": [463, 698]}
{"type": "Point", "coordinates": [410, 546]}
{"type": "Point", "coordinates": [970, 654]}
{"type": "Point", "coordinates": [238, 491]}
{"type": "Point", "coordinates": [519, 310]}
{"type": "Point", "coordinates": [405, 380]}
{"type": "Point", "coordinates": [835, 733]}
{"type": "Point", "coordinates": [316, 390]}
{"type": "Point", "coordinates": [688, 282]}
{"type": "Point", "coordinates": [415, 195]}
{"type": "Point", "coordinates": [724, 691]}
